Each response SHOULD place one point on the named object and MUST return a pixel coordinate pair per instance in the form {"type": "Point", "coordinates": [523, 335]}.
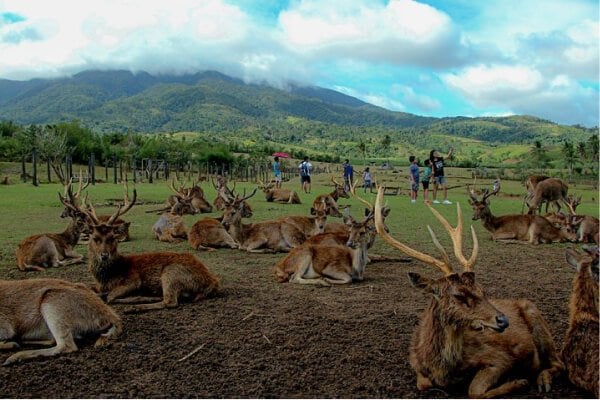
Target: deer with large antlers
{"type": "Point", "coordinates": [532, 228]}
{"type": "Point", "coordinates": [462, 332]}
{"type": "Point", "coordinates": [586, 227]}
{"type": "Point", "coordinates": [38, 252]}
{"type": "Point", "coordinates": [156, 279]}
{"type": "Point", "coordinates": [273, 194]}
{"type": "Point", "coordinates": [580, 351]}
{"type": "Point", "coordinates": [260, 237]}
{"type": "Point", "coordinates": [330, 199]}
{"type": "Point", "coordinates": [52, 312]}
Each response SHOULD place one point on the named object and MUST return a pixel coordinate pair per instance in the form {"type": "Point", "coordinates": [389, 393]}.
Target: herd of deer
{"type": "Point", "coordinates": [460, 332]}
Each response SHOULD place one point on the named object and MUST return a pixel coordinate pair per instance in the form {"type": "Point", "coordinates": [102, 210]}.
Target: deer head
{"type": "Point", "coordinates": [234, 210]}
{"type": "Point", "coordinates": [340, 190]}
{"type": "Point", "coordinates": [481, 207]}
{"type": "Point", "coordinates": [457, 296]}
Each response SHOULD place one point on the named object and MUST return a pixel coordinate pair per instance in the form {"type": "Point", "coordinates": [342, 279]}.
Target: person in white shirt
{"type": "Point", "coordinates": [305, 168]}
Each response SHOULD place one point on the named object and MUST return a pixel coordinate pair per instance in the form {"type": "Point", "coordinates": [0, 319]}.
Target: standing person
{"type": "Point", "coordinates": [437, 162]}
{"type": "Point", "coordinates": [427, 172]}
{"type": "Point", "coordinates": [414, 178]}
{"type": "Point", "coordinates": [304, 168]}
{"type": "Point", "coordinates": [277, 172]}
{"type": "Point", "coordinates": [367, 180]}
{"type": "Point", "coordinates": [348, 175]}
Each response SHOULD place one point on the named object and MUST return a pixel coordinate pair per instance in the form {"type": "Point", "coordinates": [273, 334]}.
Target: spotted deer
{"type": "Point", "coordinates": [38, 252]}
{"type": "Point", "coordinates": [464, 335]}
{"type": "Point", "coordinates": [534, 229]}
{"type": "Point", "coordinates": [52, 312]}
{"type": "Point", "coordinates": [156, 279]}
{"type": "Point", "coordinates": [580, 350]}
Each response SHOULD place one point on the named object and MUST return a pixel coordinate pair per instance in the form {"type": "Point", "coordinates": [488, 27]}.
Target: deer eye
{"type": "Point", "coordinates": [461, 298]}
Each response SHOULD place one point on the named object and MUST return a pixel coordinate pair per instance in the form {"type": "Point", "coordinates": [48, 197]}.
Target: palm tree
{"type": "Point", "coordinates": [538, 153]}
{"type": "Point", "coordinates": [570, 155]}
{"type": "Point", "coordinates": [362, 147]}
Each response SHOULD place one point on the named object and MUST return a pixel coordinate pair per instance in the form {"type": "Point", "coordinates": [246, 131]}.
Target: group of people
{"type": "Point", "coordinates": [433, 171]}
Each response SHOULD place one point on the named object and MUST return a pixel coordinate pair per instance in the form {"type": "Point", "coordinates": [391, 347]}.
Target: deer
{"type": "Point", "coordinates": [279, 195]}
{"type": "Point", "coordinates": [194, 195]}
{"type": "Point", "coordinates": [331, 199]}
{"type": "Point", "coordinates": [208, 234]}
{"type": "Point", "coordinates": [226, 196]}
{"type": "Point", "coordinates": [580, 349]}
{"type": "Point", "coordinates": [530, 184]}
{"type": "Point", "coordinates": [521, 227]}
{"type": "Point", "coordinates": [52, 312]}
{"type": "Point", "coordinates": [548, 190]}
{"type": "Point", "coordinates": [41, 251]}
{"type": "Point", "coordinates": [325, 265]}
{"type": "Point", "coordinates": [312, 225]}
{"type": "Point", "coordinates": [586, 227]}
{"type": "Point", "coordinates": [170, 226]}
{"type": "Point", "coordinates": [153, 280]}
{"type": "Point", "coordinates": [260, 237]}
{"type": "Point", "coordinates": [462, 333]}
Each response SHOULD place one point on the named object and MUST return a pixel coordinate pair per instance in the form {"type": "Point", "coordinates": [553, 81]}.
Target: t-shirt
{"type": "Point", "coordinates": [438, 166]}
{"type": "Point", "coordinates": [348, 171]}
{"type": "Point", "coordinates": [276, 170]}
{"type": "Point", "coordinates": [367, 176]}
{"type": "Point", "coordinates": [426, 174]}
{"type": "Point", "coordinates": [305, 167]}
{"type": "Point", "coordinates": [414, 172]}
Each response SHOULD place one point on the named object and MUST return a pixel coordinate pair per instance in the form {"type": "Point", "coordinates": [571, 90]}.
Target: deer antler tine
{"type": "Point", "coordinates": [438, 245]}
{"type": "Point", "coordinates": [365, 202]}
{"type": "Point", "coordinates": [442, 265]}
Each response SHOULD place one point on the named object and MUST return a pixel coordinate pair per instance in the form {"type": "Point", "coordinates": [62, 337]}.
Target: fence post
{"type": "Point", "coordinates": [134, 169]}
{"type": "Point", "coordinates": [34, 165]}
{"type": "Point", "coordinates": [48, 170]}
{"type": "Point", "coordinates": [23, 169]}
{"type": "Point", "coordinates": [114, 169]}
{"type": "Point", "coordinates": [150, 177]}
{"type": "Point", "coordinates": [92, 170]}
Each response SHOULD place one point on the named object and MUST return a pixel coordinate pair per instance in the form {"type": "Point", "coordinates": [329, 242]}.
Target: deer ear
{"type": "Point", "coordinates": [424, 284]}
{"type": "Point", "coordinates": [385, 211]}
{"type": "Point", "coordinates": [313, 211]}
{"type": "Point", "coordinates": [121, 229]}
{"type": "Point", "coordinates": [573, 259]}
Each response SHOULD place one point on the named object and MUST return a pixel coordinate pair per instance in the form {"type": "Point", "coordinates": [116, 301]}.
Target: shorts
{"type": "Point", "coordinates": [425, 185]}
{"type": "Point", "coordinates": [305, 179]}
{"type": "Point", "coordinates": [278, 178]}
{"type": "Point", "coordinates": [439, 180]}
{"type": "Point", "coordinates": [414, 187]}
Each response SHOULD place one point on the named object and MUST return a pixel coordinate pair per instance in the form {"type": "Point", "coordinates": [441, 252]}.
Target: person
{"type": "Point", "coordinates": [367, 180]}
{"type": "Point", "coordinates": [427, 172]}
{"type": "Point", "coordinates": [277, 172]}
{"type": "Point", "coordinates": [437, 164]}
{"type": "Point", "coordinates": [305, 167]}
{"type": "Point", "coordinates": [348, 175]}
{"type": "Point", "coordinates": [414, 178]}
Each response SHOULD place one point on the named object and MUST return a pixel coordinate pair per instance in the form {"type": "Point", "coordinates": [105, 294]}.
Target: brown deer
{"type": "Point", "coordinates": [226, 196]}
{"type": "Point", "coordinates": [38, 252]}
{"type": "Point", "coordinates": [325, 265]}
{"type": "Point", "coordinates": [580, 351]}
{"type": "Point", "coordinates": [144, 276]}
{"type": "Point", "coordinates": [310, 226]}
{"type": "Point", "coordinates": [52, 311]}
{"type": "Point", "coordinates": [170, 227]}
{"type": "Point", "coordinates": [208, 234]}
{"type": "Point", "coordinates": [279, 195]}
{"type": "Point", "coordinates": [194, 195]}
{"type": "Point", "coordinates": [530, 184]}
{"type": "Point", "coordinates": [260, 237]}
{"type": "Point", "coordinates": [462, 333]}
{"type": "Point", "coordinates": [330, 199]}
{"type": "Point", "coordinates": [532, 228]}
{"type": "Point", "coordinates": [586, 227]}
{"type": "Point", "coordinates": [549, 190]}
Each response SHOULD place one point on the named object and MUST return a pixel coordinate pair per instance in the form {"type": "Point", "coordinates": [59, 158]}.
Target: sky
{"type": "Point", "coordinates": [433, 58]}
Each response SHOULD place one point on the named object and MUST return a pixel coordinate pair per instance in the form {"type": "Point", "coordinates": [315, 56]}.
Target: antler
{"type": "Point", "coordinates": [81, 186]}
{"type": "Point", "coordinates": [495, 190]}
{"type": "Point", "coordinates": [126, 203]}
{"type": "Point", "coordinates": [238, 200]}
{"type": "Point", "coordinates": [353, 191]}
{"type": "Point", "coordinates": [571, 202]}
{"type": "Point", "coordinates": [336, 183]}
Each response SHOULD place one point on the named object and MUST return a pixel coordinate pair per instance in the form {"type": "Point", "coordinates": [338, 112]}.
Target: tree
{"type": "Point", "coordinates": [386, 142]}
{"type": "Point", "coordinates": [362, 147]}
{"type": "Point", "coordinates": [570, 155]}
{"type": "Point", "coordinates": [539, 156]}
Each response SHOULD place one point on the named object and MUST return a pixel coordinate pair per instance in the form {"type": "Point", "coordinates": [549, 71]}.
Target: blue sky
{"type": "Point", "coordinates": [433, 58]}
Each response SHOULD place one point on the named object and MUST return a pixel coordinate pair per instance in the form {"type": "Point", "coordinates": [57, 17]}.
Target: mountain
{"type": "Point", "coordinates": [210, 102]}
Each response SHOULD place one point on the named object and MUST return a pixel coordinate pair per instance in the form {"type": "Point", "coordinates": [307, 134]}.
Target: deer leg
{"type": "Point", "coordinates": [204, 248]}
{"type": "Point", "coordinates": [112, 334]}
{"type": "Point", "coordinates": [30, 267]}
{"type": "Point", "coordinates": [122, 290]}
{"type": "Point", "coordinates": [488, 377]}
{"type": "Point", "coordinates": [171, 287]}
{"type": "Point", "coordinates": [9, 345]}
{"type": "Point", "coordinates": [59, 329]}
{"type": "Point", "coordinates": [423, 382]}
{"type": "Point", "coordinates": [305, 274]}
{"type": "Point", "coordinates": [136, 299]}
{"type": "Point", "coordinates": [336, 277]}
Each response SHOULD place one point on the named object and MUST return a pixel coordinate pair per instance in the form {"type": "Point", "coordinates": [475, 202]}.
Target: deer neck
{"type": "Point", "coordinates": [490, 222]}
{"type": "Point", "coordinates": [441, 342]}
{"type": "Point", "coordinates": [238, 231]}
{"type": "Point", "coordinates": [334, 195]}
{"type": "Point", "coordinates": [71, 233]}
{"type": "Point", "coordinates": [105, 271]}
{"type": "Point", "coordinates": [584, 299]}
{"type": "Point", "coordinates": [359, 260]}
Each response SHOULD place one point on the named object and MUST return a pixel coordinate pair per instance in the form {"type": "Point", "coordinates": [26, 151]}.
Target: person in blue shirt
{"type": "Point", "coordinates": [348, 175]}
{"type": "Point", "coordinates": [277, 172]}
{"type": "Point", "coordinates": [414, 178]}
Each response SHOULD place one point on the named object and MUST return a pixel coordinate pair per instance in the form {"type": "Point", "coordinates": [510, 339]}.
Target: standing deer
{"type": "Point", "coordinates": [167, 274]}
{"type": "Point", "coordinates": [462, 333]}
{"type": "Point", "coordinates": [580, 351]}
{"type": "Point", "coordinates": [38, 252]}
{"type": "Point", "coordinates": [52, 311]}
{"type": "Point", "coordinates": [532, 228]}
{"type": "Point", "coordinates": [549, 190]}
{"type": "Point", "coordinates": [330, 199]}
{"type": "Point", "coordinates": [530, 184]}
{"type": "Point", "coordinates": [326, 265]}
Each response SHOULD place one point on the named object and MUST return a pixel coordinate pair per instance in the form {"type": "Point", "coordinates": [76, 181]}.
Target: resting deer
{"type": "Point", "coordinates": [532, 228]}
{"type": "Point", "coordinates": [462, 332]}
{"type": "Point", "coordinates": [309, 226]}
{"type": "Point", "coordinates": [549, 190]}
{"type": "Point", "coordinates": [52, 311]}
{"type": "Point", "coordinates": [260, 237]}
{"type": "Point", "coordinates": [586, 227]}
{"type": "Point", "coordinates": [38, 252]}
{"type": "Point", "coordinates": [194, 195]}
{"type": "Point", "coordinates": [167, 274]}
{"type": "Point", "coordinates": [330, 200]}
{"type": "Point", "coordinates": [170, 226]}
{"type": "Point", "coordinates": [580, 351]}
{"type": "Point", "coordinates": [279, 195]}
{"type": "Point", "coordinates": [208, 234]}
{"type": "Point", "coordinates": [326, 265]}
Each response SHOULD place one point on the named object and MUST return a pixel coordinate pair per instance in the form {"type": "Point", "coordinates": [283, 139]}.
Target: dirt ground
{"type": "Point", "coordinates": [264, 339]}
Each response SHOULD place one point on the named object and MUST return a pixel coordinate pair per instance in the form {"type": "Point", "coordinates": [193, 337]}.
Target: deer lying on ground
{"type": "Point", "coordinates": [260, 237]}
{"type": "Point", "coordinates": [279, 195]}
{"type": "Point", "coordinates": [462, 332]}
{"type": "Point", "coordinates": [52, 311]}
{"type": "Point", "coordinates": [532, 228]}
{"type": "Point", "coordinates": [38, 252]}
{"type": "Point", "coordinates": [330, 200]}
{"type": "Point", "coordinates": [208, 234]}
{"type": "Point", "coordinates": [580, 351]}
{"type": "Point", "coordinates": [144, 276]}
{"type": "Point", "coordinates": [326, 265]}
{"type": "Point", "coordinates": [170, 226]}
{"type": "Point", "coordinates": [312, 225]}
{"type": "Point", "coordinates": [549, 190]}
{"type": "Point", "coordinates": [586, 227]}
